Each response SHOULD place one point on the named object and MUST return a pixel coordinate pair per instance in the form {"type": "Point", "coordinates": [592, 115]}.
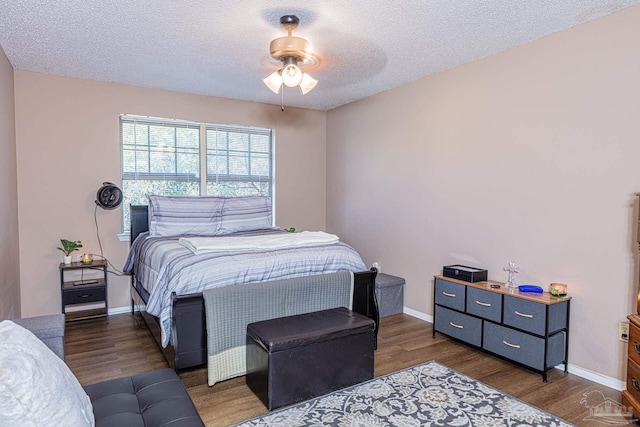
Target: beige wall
{"type": "Point", "coordinates": [9, 271]}
{"type": "Point", "coordinates": [68, 144]}
{"type": "Point", "coordinates": [529, 155]}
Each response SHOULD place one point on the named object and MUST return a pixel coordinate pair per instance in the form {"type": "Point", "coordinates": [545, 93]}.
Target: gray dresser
{"type": "Point", "coordinates": [530, 329]}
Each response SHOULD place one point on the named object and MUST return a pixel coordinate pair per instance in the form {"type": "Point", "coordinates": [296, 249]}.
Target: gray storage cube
{"type": "Point", "coordinates": [390, 294]}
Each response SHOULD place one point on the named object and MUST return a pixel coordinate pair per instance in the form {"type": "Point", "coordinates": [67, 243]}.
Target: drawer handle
{"type": "Point", "coordinates": [636, 384]}
{"type": "Point", "coordinates": [448, 294]}
{"type": "Point", "coordinates": [510, 345]}
{"type": "Point", "coordinates": [530, 316]}
{"type": "Point", "coordinates": [636, 346]}
{"type": "Point", "coordinates": [484, 304]}
{"type": "Point", "coordinates": [456, 326]}
{"type": "Point", "coordinates": [84, 296]}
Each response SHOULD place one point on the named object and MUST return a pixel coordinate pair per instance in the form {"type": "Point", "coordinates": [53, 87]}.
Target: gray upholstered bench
{"type": "Point", "coordinates": [50, 330]}
{"type": "Point", "coordinates": [152, 399]}
{"type": "Point", "coordinates": [295, 358]}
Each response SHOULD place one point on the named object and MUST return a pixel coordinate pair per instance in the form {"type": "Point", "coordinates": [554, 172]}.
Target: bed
{"type": "Point", "coordinates": [175, 315]}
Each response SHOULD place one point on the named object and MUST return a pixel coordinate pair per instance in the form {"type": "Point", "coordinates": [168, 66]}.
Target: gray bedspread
{"type": "Point", "coordinates": [162, 265]}
{"type": "Point", "coordinates": [230, 309]}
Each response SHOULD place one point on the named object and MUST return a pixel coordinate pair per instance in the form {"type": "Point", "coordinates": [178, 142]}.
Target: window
{"type": "Point", "coordinates": [175, 157]}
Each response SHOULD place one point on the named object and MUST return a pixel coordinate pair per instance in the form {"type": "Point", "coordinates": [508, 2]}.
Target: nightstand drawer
{"type": "Point", "coordinates": [526, 315]}
{"type": "Point", "coordinates": [77, 296]}
{"type": "Point", "coordinates": [485, 304]}
{"type": "Point", "coordinates": [634, 343]}
{"type": "Point", "coordinates": [458, 325]}
{"type": "Point", "coordinates": [450, 294]}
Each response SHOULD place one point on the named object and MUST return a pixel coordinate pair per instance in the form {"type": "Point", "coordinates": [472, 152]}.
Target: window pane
{"type": "Point", "coordinates": [237, 157]}
{"type": "Point", "coordinates": [237, 188]}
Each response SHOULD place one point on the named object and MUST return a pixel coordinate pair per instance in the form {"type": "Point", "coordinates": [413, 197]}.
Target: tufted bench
{"type": "Point", "coordinates": [295, 358]}
{"type": "Point", "coordinates": [151, 399]}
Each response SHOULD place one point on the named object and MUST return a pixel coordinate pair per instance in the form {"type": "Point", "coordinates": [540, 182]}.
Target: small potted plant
{"type": "Point", "coordinates": [69, 246]}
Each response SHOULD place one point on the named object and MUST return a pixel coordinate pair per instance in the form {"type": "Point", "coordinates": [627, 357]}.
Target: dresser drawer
{"type": "Point", "coordinates": [458, 325]}
{"type": "Point", "coordinates": [633, 379]}
{"type": "Point", "coordinates": [450, 294]}
{"type": "Point", "coordinates": [522, 347]}
{"type": "Point", "coordinates": [485, 304]}
{"type": "Point", "coordinates": [634, 343]}
{"type": "Point", "coordinates": [77, 296]}
{"type": "Point", "coordinates": [524, 314]}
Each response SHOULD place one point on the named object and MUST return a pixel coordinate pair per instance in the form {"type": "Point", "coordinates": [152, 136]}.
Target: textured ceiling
{"type": "Point", "coordinates": [221, 47]}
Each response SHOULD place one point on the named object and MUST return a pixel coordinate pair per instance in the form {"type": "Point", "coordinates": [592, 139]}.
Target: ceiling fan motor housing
{"type": "Point", "coordinates": [283, 47]}
{"type": "Point", "coordinates": [290, 46]}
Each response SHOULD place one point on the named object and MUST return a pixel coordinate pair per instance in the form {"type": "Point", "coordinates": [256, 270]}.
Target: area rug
{"type": "Point", "coordinates": [425, 395]}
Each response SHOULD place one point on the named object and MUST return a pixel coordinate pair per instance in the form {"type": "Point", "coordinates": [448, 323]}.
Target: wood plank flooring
{"type": "Point", "coordinates": [96, 351]}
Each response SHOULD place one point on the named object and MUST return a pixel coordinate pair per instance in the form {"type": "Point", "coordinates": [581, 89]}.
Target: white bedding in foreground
{"type": "Point", "coordinates": [199, 245]}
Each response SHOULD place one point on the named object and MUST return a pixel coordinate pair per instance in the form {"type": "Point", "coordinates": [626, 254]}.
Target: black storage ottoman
{"type": "Point", "coordinates": [294, 358]}
{"type": "Point", "coordinates": [390, 294]}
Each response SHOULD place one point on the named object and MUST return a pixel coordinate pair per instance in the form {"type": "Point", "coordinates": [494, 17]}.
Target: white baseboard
{"type": "Point", "coordinates": [415, 313]}
{"type": "Point", "coordinates": [596, 377]}
{"type": "Point", "coordinates": [120, 310]}
{"type": "Point", "coordinates": [604, 380]}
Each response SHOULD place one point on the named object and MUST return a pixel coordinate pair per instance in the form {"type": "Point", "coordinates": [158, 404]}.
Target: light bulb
{"type": "Point", "coordinates": [291, 75]}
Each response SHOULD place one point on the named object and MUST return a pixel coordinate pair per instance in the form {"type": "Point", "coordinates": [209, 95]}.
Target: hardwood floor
{"type": "Point", "coordinates": [96, 351]}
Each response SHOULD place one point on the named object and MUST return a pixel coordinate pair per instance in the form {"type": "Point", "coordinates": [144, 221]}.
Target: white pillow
{"type": "Point", "coordinates": [36, 386]}
{"type": "Point", "coordinates": [184, 215]}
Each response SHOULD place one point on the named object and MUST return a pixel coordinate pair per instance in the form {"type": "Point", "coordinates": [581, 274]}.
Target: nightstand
{"type": "Point", "coordinates": [84, 290]}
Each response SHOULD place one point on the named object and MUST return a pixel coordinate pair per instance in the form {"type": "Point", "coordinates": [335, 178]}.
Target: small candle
{"type": "Point", "coordinates": [86, 259]}
{"type": "Point", "coordinates": [558, 289]}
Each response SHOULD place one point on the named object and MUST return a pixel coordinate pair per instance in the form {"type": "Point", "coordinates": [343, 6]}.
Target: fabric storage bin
{"type": "Point", "coordinates": [294, 358]}
{"type": "Point", "coordinates": [390, 294]}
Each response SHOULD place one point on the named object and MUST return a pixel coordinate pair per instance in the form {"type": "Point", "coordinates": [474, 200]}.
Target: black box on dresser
{"type": "Point", "coordinates": [462, 272]}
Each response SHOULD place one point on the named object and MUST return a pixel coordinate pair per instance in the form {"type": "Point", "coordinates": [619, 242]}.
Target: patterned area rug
{"type": "Point", "coordinates": [426, 395]}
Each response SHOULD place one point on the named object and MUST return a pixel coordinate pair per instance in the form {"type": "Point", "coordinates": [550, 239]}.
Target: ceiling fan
{"type": "Point", "coordinates": [291, 52]}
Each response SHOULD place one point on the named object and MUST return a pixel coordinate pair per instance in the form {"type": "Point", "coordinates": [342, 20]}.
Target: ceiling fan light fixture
{"type": "Point", "coordinates": [274, 81]}
{"type": "Point", "coordinates": [307, 83]}
{"type": "Point", "coordinates": [291, 52]}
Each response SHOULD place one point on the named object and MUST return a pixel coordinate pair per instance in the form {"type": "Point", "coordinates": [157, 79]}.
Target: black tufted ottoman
{"type": "Point", "coordinates": [152, 399]}
{"type": "Point", "coordinates": [294, 358]}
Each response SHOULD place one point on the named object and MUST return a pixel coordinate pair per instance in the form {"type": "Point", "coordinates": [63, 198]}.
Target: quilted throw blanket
{"type": "Point", "coordinates": [230, 309]}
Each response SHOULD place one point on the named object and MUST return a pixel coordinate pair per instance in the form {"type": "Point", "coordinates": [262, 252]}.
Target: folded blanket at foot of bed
{"type": "Point", "coordinates": [199, 245]}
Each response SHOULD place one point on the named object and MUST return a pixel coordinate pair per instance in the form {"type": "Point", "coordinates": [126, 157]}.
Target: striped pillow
{"type": "Point", "coordinates": [184, 215]}
{"type": "Point", "coordinates": [246, 214]}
